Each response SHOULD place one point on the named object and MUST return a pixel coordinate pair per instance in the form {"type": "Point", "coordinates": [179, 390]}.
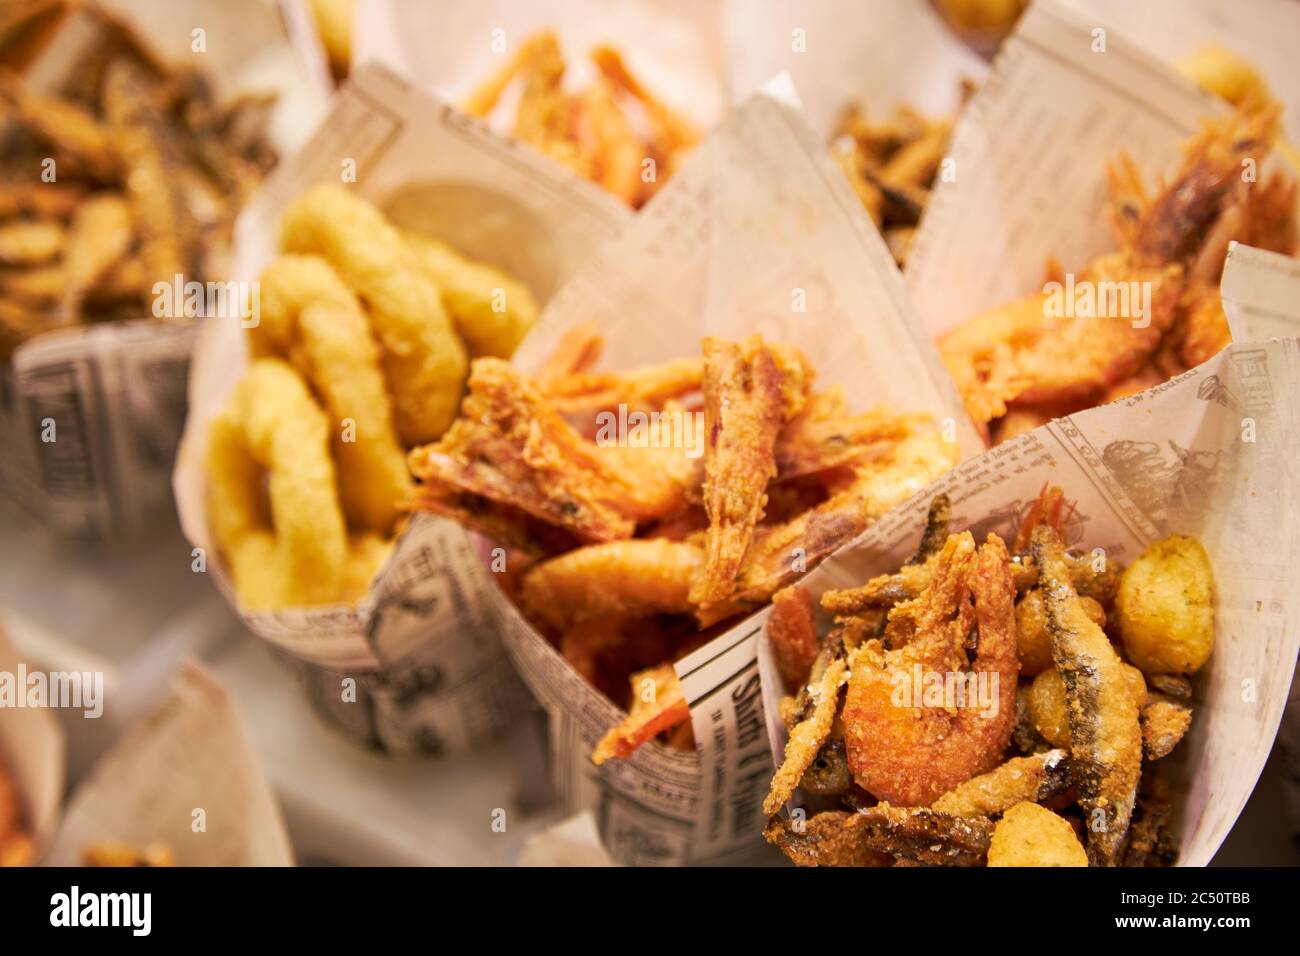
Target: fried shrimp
{"type": "Point", "coordinates": [658, 704]}
{"type": "Point", "coordinates": [295, 555]}
{"type": "Point", "coordinates": [644, 388]}
{"type": "Point", "coordinates": [793, 636]}
{"type": "Point", "coordinates": [824, 435]}
{"type": "Point", "coordinates": [750, 391]}
{"type": "Point", "coordinates": [424, 361]}
{"type": "Point", "coordinates": [312, 320]}
{"type": "Point", "coordinates": [909, 751]}
{"type": "Point", "coordinates": [1104, 729]}
{"type": "Point", "coordinates": [621, 578]}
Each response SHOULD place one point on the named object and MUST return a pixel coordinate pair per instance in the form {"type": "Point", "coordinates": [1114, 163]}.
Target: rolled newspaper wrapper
{"type": "Point", "coordinates": [186, 779]}
{"type": "Point", "coordinates": [758, 232]}
{"type": "Point", "coordinates": [1211, 454]}
{"type": "Point", "coordinates": [899, 53]}
{"type": "Point", "coordinates": [417, 665]}
{"type": "Point", "coordinates": [94, 412]}
{"type": "Point", "coordinates": [32, 749]}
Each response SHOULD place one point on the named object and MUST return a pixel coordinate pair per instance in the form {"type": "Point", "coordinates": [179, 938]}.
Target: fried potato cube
{"type": "Point", "coordinates": [1166, 607]}
{"type": "Point", "coordinates": [1048, 707]}
{"type": "Point", "coordinates": [1030, 835]}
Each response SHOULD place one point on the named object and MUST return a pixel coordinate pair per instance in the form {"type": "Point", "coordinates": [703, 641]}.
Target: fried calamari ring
{"type": "Point", "coordinates": [311, 319]}
{"type": "Point", "coordinates": [424, 361]}
{"type": "Point", "coordinates": [493, 311]}
{"type": "Point", "coordinates": [294, 556]}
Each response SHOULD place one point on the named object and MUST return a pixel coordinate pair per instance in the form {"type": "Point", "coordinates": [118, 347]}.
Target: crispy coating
{"type": "Point", "coordinates": [1104, 729]}
{"type": "Point", "coordinates": [1164, 724]}
{"type": "Point", "coordinates": [99, 237]}
{"type": "Point", "coordinates": [511, 446]}
{"type": "Point", "coordinates": [925, 836]}
{"type": "Point", "coordinates": [807, 737]}
{"type": "Point", "coordinates": [619, 578]}
{"type": "Point", "coordinates": [492, 310]}
{"type": "Point", "coordinates": [781, 553]}
{"type": "Point", "coordinates": [833, 838]}
{"type": "Point", "coordinates": [648, 387]}
{"type": "Point", "coordinates": [61, 122]}
{"type": "Point", "coordinates": [911, 752]}
{"type": "Point", "coordinates": [750, 391]}
{"type": "Point", "coordinates": [1165, 607]}
{"type": "Point", "coordinates": [295, 555]}
{"type": "Point", "coordinates": [1030, 835]}
{"type": "Point", "coordinates": [1032, 778]}
{"type": "Point", "coordinates": [792, 634]}
{"type": "Point", "coordinates": [424, 360]}
{"type": "Point", "coordinates": [30, 243]}
{"type": "Point", "coordinates": [311, 319]}
{"type": "Point", "coordinates": [824, 435]}
{"type": "Point", "coordinates": [658, 704]}
{"type": "Point", "coordinates": [1033, 640]}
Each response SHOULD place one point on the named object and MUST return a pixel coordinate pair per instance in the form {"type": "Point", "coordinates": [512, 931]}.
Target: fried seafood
{"type": "Point", "coordinates": [892, 166]}
{"type": "Point", "coordinates": [17, 848]}
{"type": "Point", "coordinates": [151, 174]}
{"type": "Point", "coordinates": [658, 705]}
{"type": "Point", "coordinates": [590, 130]}
{"type": "Point", "coordinates": [1102, 710]}
{"type": "Point", "coordinates": [1030, 835]}
{"type": "Point", "coordinates": [968, 775]}
{"type": "Point", "coordinates": [751, 390]}
{"type": "Point", "coordinates": [1140, 314]}
{"type": "Point", "coordinates": [912, 752]}
{"type": "Point", "coordinates": [424, 360]}
{"type": "Point", "coordinates": [792, 633]}
{"type": "Point", "coordinates": [634, 542]}
{"type": "Point", "coordinates": [338, 329]}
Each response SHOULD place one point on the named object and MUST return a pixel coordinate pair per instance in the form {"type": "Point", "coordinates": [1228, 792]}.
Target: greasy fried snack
{"type": "Point", "coordinates": [295, 555]}
{"type": "Point", "coordinates": [634, 543]}
{"type": "Point", "coordinates": [793, 636]}
{"type": "Point", "coordinates": [1165, 607]}
{"type": "Point", "coordinates": [590, 130]}
{"type": "Point", "coordinates": [957, 785]}
{"type": "Point", "coordinates": [113, 853]}
{"type": "Point", "coordinates": [17, 848]}
{"type": "Point", "coordinates": [311, 319]}
{"type": "Point", "coordinates": [750, 391]}
{"type": "Point", "coordinates": [1103, 711]}
{"type": "Point", "coordinates": [151, 174]}
{"type": "Point", "coordinates": [891, 166]}
{"type": "Point", "coordinates": [1030, 835]}
{"type": "Point", "coordinates": [658, 705]}
{"type": "Point", "coordinates": [424, 360]}
{"type": "Point", "coordinates": [1022, 363]}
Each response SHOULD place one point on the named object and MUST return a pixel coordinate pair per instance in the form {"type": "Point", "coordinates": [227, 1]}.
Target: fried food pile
{"type": "Point", "coordinates": [634, 508]}
{"type": "Point", "coordinates": [132, 175]}
{"type": "Point", "coordinates": [359, 353]}
{"type": "Point", "coordinates": [991, 705]}
{"type": "Point", "coordinates": [17, 848]}
{"type": "Point", "coordinates": [591, 131]}
{"type": "Point", "coordinates": [891, 166]}
{"type": "Point", "coordinates": [114, 854]}
{"type": "Point", "coordinates": [1144, 312]}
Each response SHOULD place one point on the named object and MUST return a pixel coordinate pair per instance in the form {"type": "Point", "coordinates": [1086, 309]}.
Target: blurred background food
{"type": "Point", "coordinates": [125, 172]}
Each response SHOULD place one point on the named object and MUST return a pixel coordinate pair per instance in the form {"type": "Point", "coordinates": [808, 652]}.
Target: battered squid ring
{"type": "Point", "coordinates": [424, 360]}
{"type": "Point", "coordinates": [297, 554]}
{"type": "Point", "coordinates": [311, 319]}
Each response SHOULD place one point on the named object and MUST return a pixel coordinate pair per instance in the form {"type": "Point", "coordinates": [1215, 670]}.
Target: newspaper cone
{"type": "Point", "coordinates": [95, 411]}
{"type": "Point", "coordinates": [1211, 454]}
{"type": "Point", "coordinates": [185, 778]}
{"type": "Point", "coordinates": [758, 232]}
{"type": "Point", "coordinates": [417, 665]}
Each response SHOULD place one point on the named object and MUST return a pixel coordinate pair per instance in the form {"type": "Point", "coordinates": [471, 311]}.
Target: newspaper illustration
{"type": "Point", "coordinates": [757, 211]}
{"type": "Point", "coordinates": [419, 657]}
{"type": "Point", "coordinates": [91, 414]}
{"type": "Point", "coordinates": [1211, 454]}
